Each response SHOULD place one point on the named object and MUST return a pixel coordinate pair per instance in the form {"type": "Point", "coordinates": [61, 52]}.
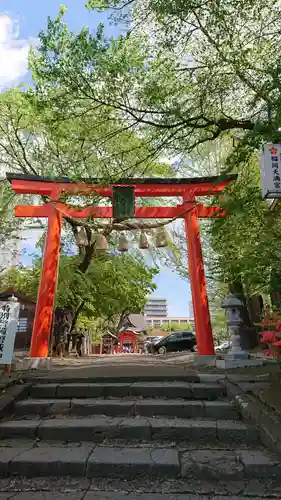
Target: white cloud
{"type": "Point", "coordinates": [13, 53]}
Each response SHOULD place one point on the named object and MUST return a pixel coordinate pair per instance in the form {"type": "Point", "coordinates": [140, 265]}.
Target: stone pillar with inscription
{"type": "Point", "coordinates": [9, 315]}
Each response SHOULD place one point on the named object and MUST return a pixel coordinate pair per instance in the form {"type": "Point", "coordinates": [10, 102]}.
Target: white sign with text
{"type": "Point", "coordinates": [9, 315]}
{"type": "Point", "coordinates": [270, 167]}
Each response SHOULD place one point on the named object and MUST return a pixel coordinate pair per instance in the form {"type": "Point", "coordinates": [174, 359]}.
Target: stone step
{"type": "Point", "coordinates": [130, 379]}
{"type": "Point", "coordinates": [155, 488]}
{"type": "Point", "coordinates": [116, 495]}
{"type": "Point", "coordinates": [88, 461]}
{"type": "Point", "coordinates": [172, 390]}
{"type": "Point", "coordinates": [137, 462]}
{"type": "Point", "coordinates": [128, 407]}
{"type": "Point", "coordinates": [98, 428]}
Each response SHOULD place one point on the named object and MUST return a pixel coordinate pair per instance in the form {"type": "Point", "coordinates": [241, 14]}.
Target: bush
{"type": "Point", "coordinates": [272, 335]}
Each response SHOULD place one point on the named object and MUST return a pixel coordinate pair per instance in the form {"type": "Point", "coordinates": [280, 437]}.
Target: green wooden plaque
{"type": "Point", "coordinates": [123, 202]}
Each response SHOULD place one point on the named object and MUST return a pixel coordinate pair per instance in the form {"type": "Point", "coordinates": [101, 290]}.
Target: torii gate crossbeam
{"type": "Point", "coordinates": [55, 210]}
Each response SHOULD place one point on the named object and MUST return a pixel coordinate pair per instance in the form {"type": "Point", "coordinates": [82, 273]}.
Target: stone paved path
{"type": "Point", "coordinates": [119, 366]}
{"type": "Point", "coordinates": [135, 365]}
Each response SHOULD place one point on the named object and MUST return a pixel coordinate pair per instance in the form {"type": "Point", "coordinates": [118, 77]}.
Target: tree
{"type": "Point", "coordinates": [113, 286]}
{"type": "Point", "coordinates": [191, 73]}
{"type": "Point", "coordinates": [175, 327]}
{"type": "Point", "coordinates": [7, 222]}
{"type": "Point", "coordinates": [34, 139]}
{"type": "Point", "coordinates": [217, 294]}
{"type": "Point", "coordinates": [9, 226]}
{"type": "Point", "coordinates": [246, 244]}
{"type": "Point", "coordinates": [95, 327]}
{"type": "Point", "coordinates": [185, 74]}
{"type": "Point", "coordinates": [42, 135]}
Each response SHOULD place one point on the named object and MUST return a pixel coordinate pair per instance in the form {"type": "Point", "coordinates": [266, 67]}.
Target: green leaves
{"type": "Point", "coordinates": [186, 74]}
{"type": "Point", "coordinates": [209, 68]}
{"type": "Point", "coordinates": [8, 224]}
{"type": "Point", "coordinates": [247, 241]}
{"type": "Point", "coordinates": [97, 4]}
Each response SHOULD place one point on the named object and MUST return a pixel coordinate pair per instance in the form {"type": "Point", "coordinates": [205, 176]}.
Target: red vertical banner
{"type": "Point", "coordinates": [47, 288]}
{"type": "Point", "coordinates": [204, 335]}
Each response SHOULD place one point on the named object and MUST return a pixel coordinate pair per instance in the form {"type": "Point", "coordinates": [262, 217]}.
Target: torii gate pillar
{"type": "Point", "coordinates": [47, 288]}
{"type": "Point", "coordinates": [204, 335]}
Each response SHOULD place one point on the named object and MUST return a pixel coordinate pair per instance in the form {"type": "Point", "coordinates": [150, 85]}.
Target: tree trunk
{"type": "Point", "coordinates": [255, 308]}
{"type": "Point", "coordinates": [90, 250]}
{"type": "Point", "coordinates": [236, 288]}
{"type": "Point", "coordinates": [123, 321]}
{"type": "Point", "coordinates": [275, 298]}
{"type": "Point", "coordinates": [275, 289]}
{"type": "Point", "coordinates": [76, 314]}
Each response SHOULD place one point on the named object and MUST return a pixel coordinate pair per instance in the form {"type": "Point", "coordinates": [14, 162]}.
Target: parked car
{"type": "Point", "coordinates": [149, 342]}
{"type": "Point", "coordinates": [152, 338]}
{"type": "Point", "coordinates": [175, 342]}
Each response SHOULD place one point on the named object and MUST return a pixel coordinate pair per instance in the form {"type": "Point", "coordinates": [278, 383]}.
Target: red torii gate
{"type": "Point", "coordinates": [189, 210]}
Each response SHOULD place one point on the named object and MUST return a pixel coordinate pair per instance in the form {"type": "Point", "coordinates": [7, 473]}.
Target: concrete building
{"type": "Point", "coordinates": [156, 314]}
{"type": "Point", "coordinates": [156, 322]}
{"type": "Point", "coordinates": [156, 308]}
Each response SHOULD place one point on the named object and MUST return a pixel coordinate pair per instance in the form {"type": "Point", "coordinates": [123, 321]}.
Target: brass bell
{"type": "Point", "coordinates": [81, 237]}
{"type": "Point", "coordinates": [123, 243]}
{"type": "Point", "coordinates": [101, 242]}
{"type": "Point", "coordinates": [143, 244]}
{"type": "Point", "coordinates": [161, 239]}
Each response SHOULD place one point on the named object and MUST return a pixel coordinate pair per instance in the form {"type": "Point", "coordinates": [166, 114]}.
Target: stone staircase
{"type": "Point", "coordinates": [180, 431]}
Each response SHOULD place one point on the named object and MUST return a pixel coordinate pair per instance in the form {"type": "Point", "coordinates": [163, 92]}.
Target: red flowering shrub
{"type": "Point", "coordinates": [268, 337]}
{"type": "Point", "coordinates": [272, 337]}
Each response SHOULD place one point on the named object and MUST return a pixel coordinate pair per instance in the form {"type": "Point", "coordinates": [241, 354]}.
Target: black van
{"type": "Point", "coordinates": [175, 342]}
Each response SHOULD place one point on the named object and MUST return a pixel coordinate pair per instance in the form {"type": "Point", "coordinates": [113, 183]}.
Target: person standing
{"type": "Point", "coordinates": [79, 342]}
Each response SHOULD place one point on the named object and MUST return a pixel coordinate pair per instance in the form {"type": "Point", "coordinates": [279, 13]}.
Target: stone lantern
{"type": "Point", "coordinates": [233, 308]}
{"type": "Point", "coordinates": [236, 357]}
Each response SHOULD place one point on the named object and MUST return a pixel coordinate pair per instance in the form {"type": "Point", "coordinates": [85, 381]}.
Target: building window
{"type": "Point", "coordinates": [22, 325]}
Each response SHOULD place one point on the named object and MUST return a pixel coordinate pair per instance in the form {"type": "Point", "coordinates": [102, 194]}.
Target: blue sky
{"type": "Point", "coordinates": [20, 22]}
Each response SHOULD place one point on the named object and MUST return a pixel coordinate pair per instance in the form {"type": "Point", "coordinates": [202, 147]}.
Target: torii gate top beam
{"type": "Point", "coordinates": [152, 187]}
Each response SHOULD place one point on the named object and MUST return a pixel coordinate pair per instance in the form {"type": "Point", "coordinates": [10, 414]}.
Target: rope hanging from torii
{"type": "Point", "coordinates": [125, 225]}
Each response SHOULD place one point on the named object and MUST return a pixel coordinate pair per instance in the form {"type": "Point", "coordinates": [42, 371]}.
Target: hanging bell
{"type": "Point", "coordinates": [161, 239]}
{"type": "Point", "coordinates": [93, 238]}
{"type": "Point", "coordinates": [143, 244]}
{"type": "Point", "coordinates": [123, 243]}
{"type": "Point", "coordinates": [101, 242]}
{"type": "Point", "coordinates": [81, 237]}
